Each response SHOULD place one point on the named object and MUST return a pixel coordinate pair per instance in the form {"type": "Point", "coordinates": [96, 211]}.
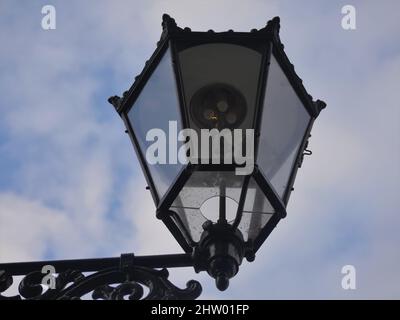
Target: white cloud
{"type": "Point", "coordinates": [28, 228]}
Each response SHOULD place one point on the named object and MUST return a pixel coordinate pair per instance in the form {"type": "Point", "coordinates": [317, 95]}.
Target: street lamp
{"type": "Point", "coordinates": [224, 82]}
{"type": "Point", "coordinates": [240, 90]}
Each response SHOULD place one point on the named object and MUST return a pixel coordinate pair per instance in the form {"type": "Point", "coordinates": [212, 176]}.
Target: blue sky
{"type": "Point", "coordinates": [70, 183]}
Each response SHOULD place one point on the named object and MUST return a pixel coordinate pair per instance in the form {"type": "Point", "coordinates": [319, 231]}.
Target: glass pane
{"type": "Point", "coordinates": [204, 187]}
{"type": "Point", "coordinates": [192, 221]}
{"type": "Point", "coordinates": [220, 84]}
{"type": "Point", "coordinates": [284, 122]}
{"type": "Point", "coordinates": [256, 201]}
{"type": "Point", "coordinates": [252, 224]}
{"type": "Point", "coordinates": [201, 187]}
{"type": "Point", "coordinates": [156, 106]}
{"type": "Point", "coordinates": [257, 211]}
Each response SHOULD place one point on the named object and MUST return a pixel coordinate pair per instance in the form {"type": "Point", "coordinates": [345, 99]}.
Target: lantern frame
{"type": "Point", "coordinates": [268, 43]}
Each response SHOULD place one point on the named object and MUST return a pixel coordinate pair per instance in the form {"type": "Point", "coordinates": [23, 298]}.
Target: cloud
{"type": "Point", "coordinates": [19, 240]}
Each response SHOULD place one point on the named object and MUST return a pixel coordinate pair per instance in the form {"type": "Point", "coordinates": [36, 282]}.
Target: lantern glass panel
{"type": "Point", "coordinates": [220, 83]}
{"type": "Point", "coordinates": [256, 213]}
{"type": "Point", "coordinates": [283, 126]}
{"type": "Point", "coordinates": [203, 186]}
{"type": "Point", "coordinates": [157, 108]}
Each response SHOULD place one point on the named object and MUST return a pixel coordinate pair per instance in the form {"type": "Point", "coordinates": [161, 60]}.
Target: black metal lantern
{"type": "Point", "coordinates": [228, 80]}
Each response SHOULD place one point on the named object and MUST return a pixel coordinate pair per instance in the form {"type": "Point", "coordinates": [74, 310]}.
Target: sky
{"type": "Point", "coordinates": [71, 185]}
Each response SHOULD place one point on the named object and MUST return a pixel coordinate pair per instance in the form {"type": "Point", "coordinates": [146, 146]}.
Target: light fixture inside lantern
{"type": "Point", "coordinates": [218, 106]}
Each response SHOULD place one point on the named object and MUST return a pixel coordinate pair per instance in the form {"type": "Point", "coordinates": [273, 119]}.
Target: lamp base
{"type": "Point", "coordinates": [220, 252]}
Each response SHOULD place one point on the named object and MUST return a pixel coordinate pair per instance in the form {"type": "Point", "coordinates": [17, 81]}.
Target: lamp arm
{"type": "Point", "coordinates": [131, 273]}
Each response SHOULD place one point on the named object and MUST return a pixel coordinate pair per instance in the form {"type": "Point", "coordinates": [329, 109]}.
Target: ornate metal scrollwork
{"type": "Point", "coordinates": [107, 284]}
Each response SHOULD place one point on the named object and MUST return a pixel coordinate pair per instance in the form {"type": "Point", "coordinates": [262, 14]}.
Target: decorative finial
{"type": "Point", "coordinates": [320, 105]}
{"type": "Point", "coordinates": [169, 26]}
{"type": "Point", "coordinates": [168, 22]}
{"type": "Point", "coordinates": [274, 24]}
{"type": "Point", "coordinates": [272, 27]}
{"type": "Point", "coordinates": [115, 101]}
